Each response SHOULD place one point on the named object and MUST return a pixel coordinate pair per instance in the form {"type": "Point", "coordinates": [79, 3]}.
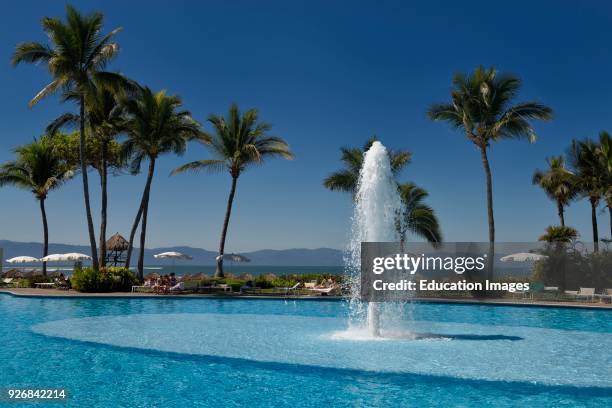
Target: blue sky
{"type": "Point", "coordinates": [325, 74]}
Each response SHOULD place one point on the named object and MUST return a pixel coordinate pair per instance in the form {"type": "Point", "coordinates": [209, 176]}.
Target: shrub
{"type": "Point", "coordinates": [103, 280]}
{"type": "Point", "coordinates": [284, 282]}
{"type": "Point", "coordinates": [262, 282]}
{"type": "Point", "coordinates": [570, 269]}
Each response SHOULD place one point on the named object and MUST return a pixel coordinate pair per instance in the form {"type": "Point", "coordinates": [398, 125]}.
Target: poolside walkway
{"type": "Point", "coordinates": [36, 292]}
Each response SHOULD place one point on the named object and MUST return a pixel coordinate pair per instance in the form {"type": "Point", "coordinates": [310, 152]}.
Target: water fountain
{"type": "Point", "coordinates": [299, 337]}
{"type": "Point", "coordinates": [377, 203]}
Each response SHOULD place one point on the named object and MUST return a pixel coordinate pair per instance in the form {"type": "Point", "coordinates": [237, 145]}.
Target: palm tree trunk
{"type": "Point", "coordinates": [610, 212]}
{"type": "Point", "coordinates": [45, 234]}
{"type": "Point", "coordinates": [104, 204]}
{"type": "Point", "coordinates": [128, 257]}
{"type": "Point", "coordinates": [487, 168]}
{"type": "Point", "coordinates": [594, 222]}
{"type": "Point", "coordinates": [228, 213]}
{"type": "Point", "coordinates": [83, 158]}
{"type": "Point", "coordinates": [561, 213]}
{"type": "Point", "coordinates": [143, 227]}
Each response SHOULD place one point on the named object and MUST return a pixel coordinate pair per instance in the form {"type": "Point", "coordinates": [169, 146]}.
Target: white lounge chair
{"type": "Point", "coordinates": [587, 293]}
{"type": "Point", "coordinates": [323, 291]}
{"type": "Point", "coordinates": [293, 288]}
{"type": "Point", "coordinates": [607, 294]}
{"type": "Point", "coordinates": [178, 287]}
{"type": "Point", "coordinates": [310, 285]}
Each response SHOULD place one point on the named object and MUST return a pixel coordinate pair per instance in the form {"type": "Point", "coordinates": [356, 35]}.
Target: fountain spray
{"type": "Point", "coordinates": [377, 203]}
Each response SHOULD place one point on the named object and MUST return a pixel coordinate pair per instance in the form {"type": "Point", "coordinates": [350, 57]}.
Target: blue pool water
{"type": "Point", "coordinates": [203, 352]}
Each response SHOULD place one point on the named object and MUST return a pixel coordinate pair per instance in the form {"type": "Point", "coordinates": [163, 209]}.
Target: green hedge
{"type": "Point", "coordinates": [103, 280]}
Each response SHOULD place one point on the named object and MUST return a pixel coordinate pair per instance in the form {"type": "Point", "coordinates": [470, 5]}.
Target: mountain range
{"type": "Point", "coordinates": [268, 257]}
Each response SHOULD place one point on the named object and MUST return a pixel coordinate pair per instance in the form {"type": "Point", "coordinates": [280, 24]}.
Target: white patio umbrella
{"type": "Point", "coordinates": [172, 255]}
{"type": "Point", "coordinates": [234, 258]}
{"type": "Point", "coordinates": [523, 257]}
{"type": "Point", "coordinates": [72, 256]}
{"type": "Point", "coordinates": [69, 257]}
{"type": "Point", "coordinates": [23, 259]}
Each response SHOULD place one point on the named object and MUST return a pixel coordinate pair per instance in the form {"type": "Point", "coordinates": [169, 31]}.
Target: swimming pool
{"type": "Point", "coordinates": [209, 352]}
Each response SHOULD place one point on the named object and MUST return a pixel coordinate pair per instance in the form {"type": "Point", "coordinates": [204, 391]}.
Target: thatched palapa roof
{"type": "Point", "coordinates": [117, 243]}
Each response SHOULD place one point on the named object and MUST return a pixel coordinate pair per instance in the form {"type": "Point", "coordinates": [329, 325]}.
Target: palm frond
{"type": "Point", "coordinates": [31, 52]}
{"type": "Point", "coordinates": [64, 120]}
{"type": "Point", "coordinates": [46, 91]}
{"type": "Point", "coordinates": [212, 166]}
{"type": "Point", "coordinates": [481, 105]}
{"type": "Point", "coordinates": [341, 181]}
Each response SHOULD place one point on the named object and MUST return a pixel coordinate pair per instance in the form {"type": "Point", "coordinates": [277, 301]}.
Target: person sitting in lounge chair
{"type": "Point", "coordinates": [325, 288]}
{"type": "Point", "coordinates": [62, 282]}
{"type": "Point", "coordinates": [177, 287]}
{"type": "Point", "coordinates": [161, 285]}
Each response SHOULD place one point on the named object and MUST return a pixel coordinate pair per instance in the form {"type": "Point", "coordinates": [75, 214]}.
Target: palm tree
{"type": "Point", "coordinates": [416, 217]}
{"type": "Point", "coordinates": [238, 142]}
{"type": "Point", "coordinates": [40, 169]}
{"type": "Point", "coordinates": [558, 183]}
{"type": "Point", "coordinates": [105, 121]}
{"type": "Point", "coordinates": [346, 180]}
{"type": "Point", "coordinates": [559, 234]}
{"type": "Point", "coordinates": [481, 107]}
{"type": "Point", "coordinates": [604, 154]}
{"type": "Point", "coordinates": [76, 59]}
{"type": "Point", "coordinates": [155, 126]}
{"type": "Point", "coordinates": [587, 167]}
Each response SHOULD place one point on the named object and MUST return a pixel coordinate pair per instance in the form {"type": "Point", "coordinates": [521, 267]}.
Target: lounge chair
{"type": "Point", "coordinates": [571, 292]}
{"type": "Point", "coordinates": [587, 293]}
{"type": "Point", "coordinates": [607, 294]}
{"type": "Point", "coordinates": [293, 288]}
{"type": "Point", "coordinates": [178, 287]}
{"type": "Point", "coordinates": [249, 289]}
{"type": "Point", "coordinates": [310, 285]}
{"type": "Point", "coordinates": [324, 291]}
{"type": "Point", "coordinates": [224, 287]}
{"type": "Point", "coordinates": [523, 292]}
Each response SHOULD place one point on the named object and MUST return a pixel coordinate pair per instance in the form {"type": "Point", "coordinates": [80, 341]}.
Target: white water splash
{"type": "Point", "coordinates": [377, 204]}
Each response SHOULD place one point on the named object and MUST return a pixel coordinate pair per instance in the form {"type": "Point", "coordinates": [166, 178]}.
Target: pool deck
{"type": "Point", "coordinates": [55, 293]}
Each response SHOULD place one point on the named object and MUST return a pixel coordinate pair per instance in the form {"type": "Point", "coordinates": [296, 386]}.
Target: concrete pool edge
{"type": "Point", "coordinates": [57, 294]}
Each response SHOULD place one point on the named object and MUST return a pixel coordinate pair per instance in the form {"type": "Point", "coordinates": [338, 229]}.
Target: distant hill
{"type": "Point", "coordinates": [271, 257]}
